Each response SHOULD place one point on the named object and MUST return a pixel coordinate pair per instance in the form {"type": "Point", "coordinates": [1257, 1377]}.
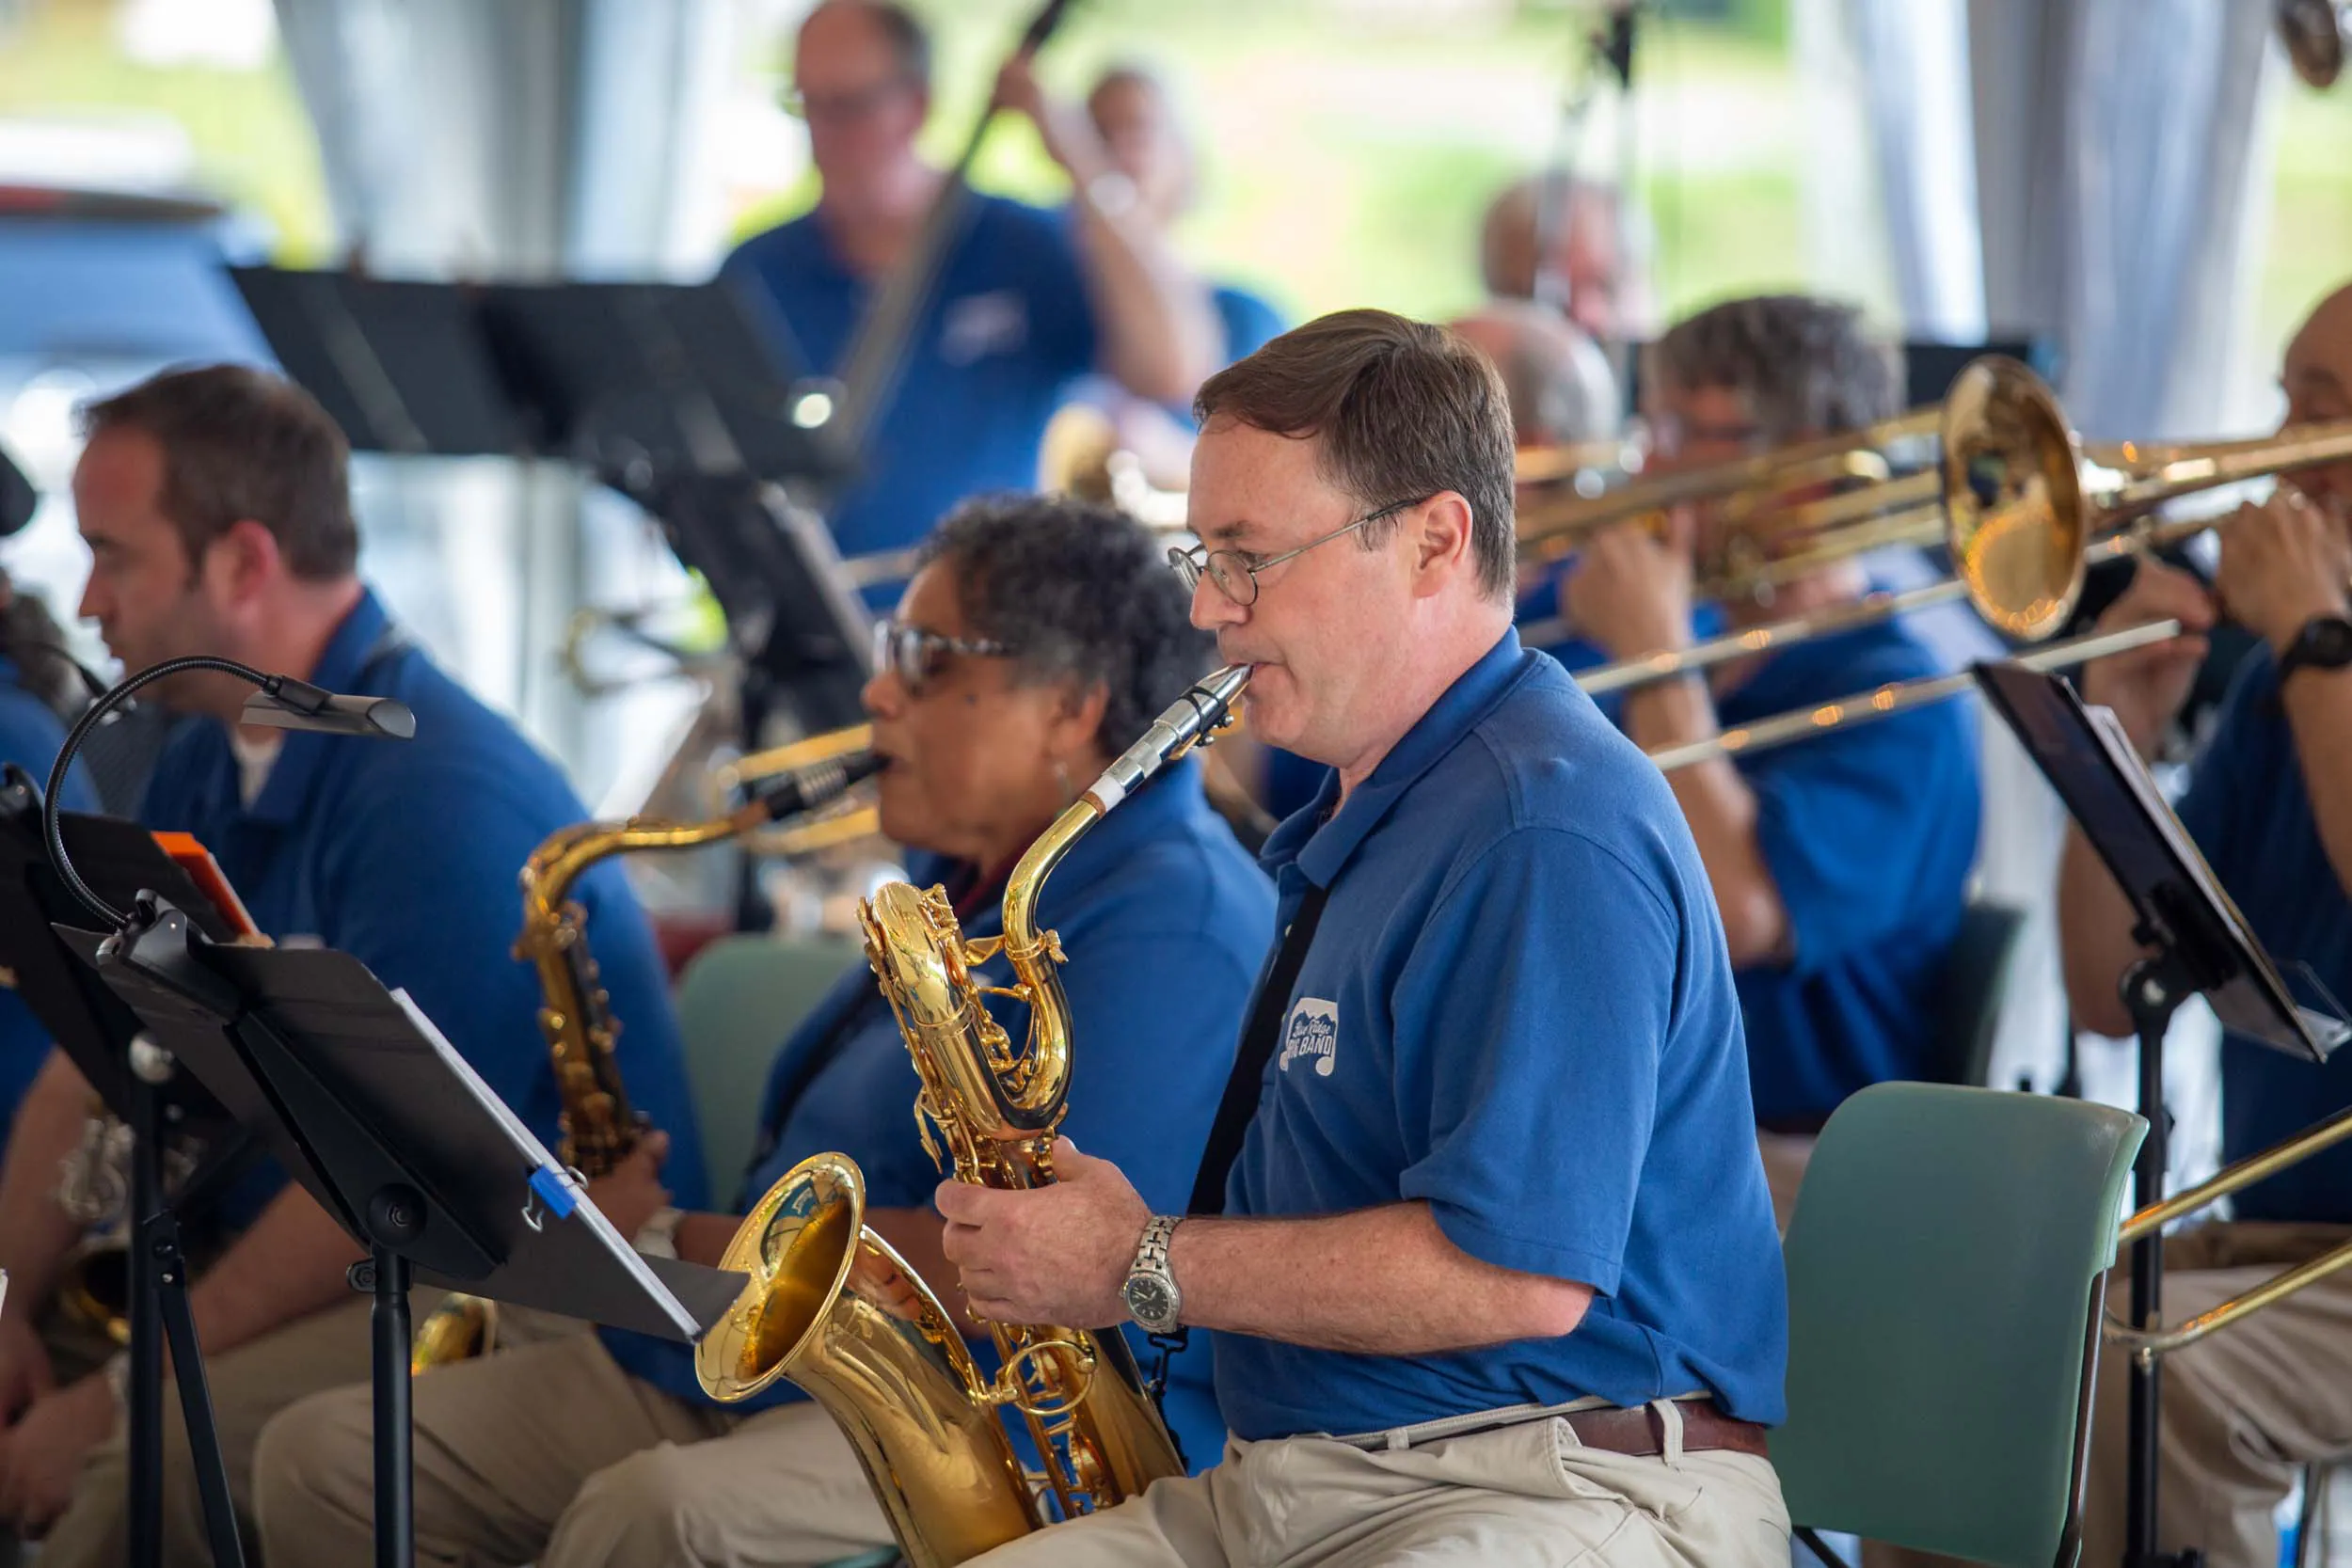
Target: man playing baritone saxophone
{"type": "Point", "coordinates": [1840, 864]}
{"type": "Point", "coordinates": [1037, 641]}
{"type": "Point", "coordinates": [1496, 1280]}
{"type": "Point", "coordinates": [218, 514]}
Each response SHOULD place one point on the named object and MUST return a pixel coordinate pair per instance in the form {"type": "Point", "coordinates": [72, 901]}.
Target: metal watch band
{"type": "Point", "coordinates": [1152, 1252]}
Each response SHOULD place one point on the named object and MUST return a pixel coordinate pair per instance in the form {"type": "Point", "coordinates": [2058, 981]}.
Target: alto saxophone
{"type": "Point", "coordinates": [599, 1129]}
{"type": "Point", "coordinates": [833, 1309]}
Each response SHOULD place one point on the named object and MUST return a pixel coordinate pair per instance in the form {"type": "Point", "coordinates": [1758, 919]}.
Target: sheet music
{"type": "Point", "coordinates": [536, 1158]}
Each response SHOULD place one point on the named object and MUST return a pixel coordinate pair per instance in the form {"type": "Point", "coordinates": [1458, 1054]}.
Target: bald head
{"type": "Point", "coordinates": [2317, 377]}
{"type": "Point", "coordinates": [1559, 381]}
{"type": "Point", "coordinates": [1594, 252]}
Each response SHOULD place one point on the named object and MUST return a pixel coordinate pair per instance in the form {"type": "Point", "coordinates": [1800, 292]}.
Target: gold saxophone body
{"type": "Point", "coordinates": [833, 1309]}
{"type": "Point", "coordinates": [599, 1129]}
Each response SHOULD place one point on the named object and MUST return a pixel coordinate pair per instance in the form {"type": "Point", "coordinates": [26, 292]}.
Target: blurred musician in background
{"type": "Point", "coordinates": [1039, 640]}
{"type": "Point", "coordinates": [217, 513]}
{"type": "Point", "coordinates": [1023, 302]}
{"type": "Point", "coordinates": [2269, 802]}
{"type": "Point", "coordinates": [1133, 113]}
{"type": "Point", "coordinates": [41, 693]}
{"type": "Point", "coordinates": [1491, 1215]}
{"type": "Point", "coordinates": [1840, 865]}
{"type": "Point", "coordinates": [1595, 271]}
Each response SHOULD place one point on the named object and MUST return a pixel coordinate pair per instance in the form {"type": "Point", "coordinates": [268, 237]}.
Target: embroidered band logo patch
{"type": "Point", "coordinates": [1313, 1030]}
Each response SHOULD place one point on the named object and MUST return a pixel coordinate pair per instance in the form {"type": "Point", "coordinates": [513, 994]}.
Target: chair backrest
{"type": "Point", "coordinates": [1974, 987]}
{"type": "Point", "coordinates": [737, 1000]}
{"type": "Point", "coordinates": [1942, 1263]}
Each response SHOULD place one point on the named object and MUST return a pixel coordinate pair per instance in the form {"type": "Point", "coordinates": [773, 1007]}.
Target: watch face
{"type": "Point", "coordinates": [1150, 1299]}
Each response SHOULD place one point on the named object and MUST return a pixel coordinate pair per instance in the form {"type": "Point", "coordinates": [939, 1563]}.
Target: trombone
{"type": "Point", "coordinates": [2020, 500]}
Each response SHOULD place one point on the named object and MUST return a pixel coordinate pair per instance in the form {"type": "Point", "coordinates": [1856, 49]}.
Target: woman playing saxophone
{"type": "Point", "coordinates": [1038, 640]}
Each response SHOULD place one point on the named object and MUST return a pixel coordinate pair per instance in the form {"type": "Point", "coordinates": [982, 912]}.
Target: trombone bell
{"type": "Point", "coordinates": [2012, 489]}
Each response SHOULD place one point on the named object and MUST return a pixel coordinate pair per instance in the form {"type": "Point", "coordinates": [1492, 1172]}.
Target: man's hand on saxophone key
{"type": "Point", "coordinates": [1055, 1253]}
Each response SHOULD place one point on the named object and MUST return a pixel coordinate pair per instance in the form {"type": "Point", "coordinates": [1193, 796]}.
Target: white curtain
{"type": "Point", "coordinates": [517, 139]}
{"type": "Point", "coordinates": [2094, 162]}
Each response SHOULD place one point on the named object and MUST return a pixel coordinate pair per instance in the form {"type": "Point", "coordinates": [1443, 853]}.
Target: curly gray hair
{"type": "Point", "coordinates": [1806, 365]}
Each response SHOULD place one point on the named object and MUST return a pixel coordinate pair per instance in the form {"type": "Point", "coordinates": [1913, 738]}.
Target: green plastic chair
{"type": "Point", "coordinates": [1947, 1274]}
{"type": "Point", "coordinates": [737, 1000]}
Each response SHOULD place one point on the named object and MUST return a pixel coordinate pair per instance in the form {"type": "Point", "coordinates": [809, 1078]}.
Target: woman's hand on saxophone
{"type": "Point", "coordinates": [632, 1192]}
{"type": "Point", "coordinates": [1057, 1254]}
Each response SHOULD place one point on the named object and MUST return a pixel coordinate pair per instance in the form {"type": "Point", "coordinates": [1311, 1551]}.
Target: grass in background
{"type": "Point", "coordinates": [250, 137]}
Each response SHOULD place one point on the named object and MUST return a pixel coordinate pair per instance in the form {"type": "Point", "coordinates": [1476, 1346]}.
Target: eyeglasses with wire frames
{"type": "Point", "coordinates": [1235, 572]}
{"type": "Point", "coordinates": [914, 653]}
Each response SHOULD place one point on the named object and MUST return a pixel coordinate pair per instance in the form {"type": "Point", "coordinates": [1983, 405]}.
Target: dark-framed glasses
{"type": "Point", "coordinates": [1235, 572]}
{"type": "Point", "coordinates": [914, 653]}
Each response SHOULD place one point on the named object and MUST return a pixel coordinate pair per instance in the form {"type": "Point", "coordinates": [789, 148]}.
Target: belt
{"type": "Point", "coordinates": [1638, 1431]}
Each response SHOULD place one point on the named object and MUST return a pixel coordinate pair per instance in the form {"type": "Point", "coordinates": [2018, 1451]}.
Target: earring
{"type": "Point", "coordinates": [1062, 781]}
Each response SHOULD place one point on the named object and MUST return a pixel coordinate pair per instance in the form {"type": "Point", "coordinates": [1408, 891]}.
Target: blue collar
{"type": "Point", "coordinates": [9, 673]}
{"type": "Point", "coordinates": [1156, 812]}
{"type": "Point", "coordinates": [365, 633]}
{"type": "Point", "coordinates": [1320, 848]}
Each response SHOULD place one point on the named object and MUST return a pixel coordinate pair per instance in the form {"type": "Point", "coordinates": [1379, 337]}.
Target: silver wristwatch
{"type": "Point", "coordinates": [1150, 1293]}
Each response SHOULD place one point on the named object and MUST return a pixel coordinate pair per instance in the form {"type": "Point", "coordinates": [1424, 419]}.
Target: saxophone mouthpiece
{"type": "Point", "coordinates": [820, 783]}
{"type": "Point", "coordinates": [1181, 726]}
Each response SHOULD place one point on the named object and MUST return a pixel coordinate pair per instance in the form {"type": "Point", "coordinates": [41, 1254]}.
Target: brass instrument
{"type": "Point", "coordinates": [2024, 511]}
{"type": "Point", "coordinates": [831, 1307]}
{"type": "Point", "coordinates": [2315, 34]}
{"type": "Point", "coordinates": [1550, 530]}
{"type": "Point", "coordinates": [599, 1130]}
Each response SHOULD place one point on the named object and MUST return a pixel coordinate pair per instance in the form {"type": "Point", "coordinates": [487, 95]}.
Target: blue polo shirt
{"type": "Point", "coordinates": [404, 854]}
{"type": "Point", "coordinates": [1164, 921]}
{"type": "Point", "coordinates": [29, 738]}
{"type": "Point", "coordinates": [1007, 327]}
{"type": "Point", "coordinates": [1869, 833]}
{"type": "Point", "coordinates": [1516, 1009]}
{"type": "Point", "coordinates": [2251, 812]}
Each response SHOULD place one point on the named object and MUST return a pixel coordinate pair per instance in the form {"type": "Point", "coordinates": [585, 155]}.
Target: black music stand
{"type": "Point", "coordinates": [2198, 945]}
{"type": "Point", "coordinates": [670, 394]}
{"type": "Point", "coordinates": [104, 1039]}
{"type": "Point", "coordinates": [377, 1116]}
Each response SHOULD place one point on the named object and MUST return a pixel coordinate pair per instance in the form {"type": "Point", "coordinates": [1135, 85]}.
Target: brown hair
{"type": "Point", "coordinates": [1404, 411]}
{"type": "Point", "coordinates": [239, 443]}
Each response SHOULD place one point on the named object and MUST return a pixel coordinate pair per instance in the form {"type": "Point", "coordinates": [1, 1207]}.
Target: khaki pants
{"type": "Point", "coordinates": [248, 1385]}
{"type": "Point", "coordinates": [550, 1453]}
{"type": "Point", "coordinates": [2243, 1410]}
{"type": "Point", "coordinates": [1528, 1494]}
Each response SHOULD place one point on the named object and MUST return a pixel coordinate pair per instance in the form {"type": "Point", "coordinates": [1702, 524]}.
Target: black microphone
{"type": "Point", "coordinates": [282, 703]}
{"type": "Point", "coordinates": [820, 783]}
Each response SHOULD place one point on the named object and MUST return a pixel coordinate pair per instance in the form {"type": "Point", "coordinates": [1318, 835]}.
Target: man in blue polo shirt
{"type": "Point", "coordinates": [2269, 804]}
{"type": "Point", "coordinates": [216, 509]}
{"type": "Point", "coordinates": [1037, 641]}
{"type": "Point", "coordinates": [1498, 1274]}
{"type": "Point", "coordinates": [1839, 864]}
{"type": "Point", "coordinates": [1023, 302]}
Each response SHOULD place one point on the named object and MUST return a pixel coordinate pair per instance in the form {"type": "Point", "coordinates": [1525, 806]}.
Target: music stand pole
{"type": "Point", "coordinates": [2153, 990]}
{"type": "Point", "coordinates": [143, 1390]}
{"type": "Point", "coordinates": [394, 1215]}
